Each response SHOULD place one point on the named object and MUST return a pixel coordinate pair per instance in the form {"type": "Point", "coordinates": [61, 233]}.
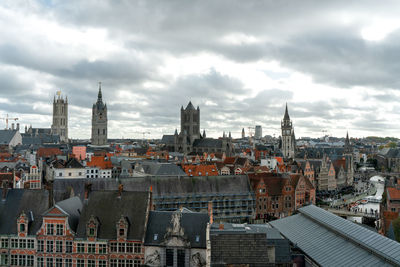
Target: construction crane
{"type": "Point", "coordinates": [144, 134]}
{"type": "Point", "coordinates": [6, 119]}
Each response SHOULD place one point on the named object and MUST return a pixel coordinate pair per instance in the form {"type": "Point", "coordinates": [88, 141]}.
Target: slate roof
{"type": "Point", "coordinates": [273, 237]}
{"type": "Point", "coordinates": [193, 224]}
{"type": "Point", "coordinates": [73, 163]}
{"type": "Point", "coordinates": [190, 106]}
{"type": "Point", "coordinates": [168, 139]}
{"type": "Point", "coordinates": [108, 207]}
{"type": "Point", "coordinates": [208, 142]}
{"type": "Point", "coordinates": [72, 206]}
{"type": "Point", "coordinates": [18, 200]}
{"type": "Point", "coordinates": [167, 185]}
{"type": "Point", "coordinates": [333, 241]}
{"type": "Point", "coordinates": [161, 168]}
{"type": "Point", "coordinates": [6, 136]}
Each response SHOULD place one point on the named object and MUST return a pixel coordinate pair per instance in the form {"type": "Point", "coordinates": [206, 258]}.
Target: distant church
{"type": "Point", "coordinates": [60, 117]}
{"type": "Point", "coordinates": [288, 139]}
{"type": "Point", "coordinates": [189, 140]}
{"type": "Point", "coordinates": [99, 121]}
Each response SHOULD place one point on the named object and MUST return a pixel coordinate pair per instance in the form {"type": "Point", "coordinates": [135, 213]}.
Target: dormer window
{"type": "Point", "coordinates": [122, 228]}
{"type": "Point", "coordinates": [92, 226]}
{"type": "Point", "coordinates": [22, 224]}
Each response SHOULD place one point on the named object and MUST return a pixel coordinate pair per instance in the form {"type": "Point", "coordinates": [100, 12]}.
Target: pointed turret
{"type": "Point", "coordinates": [243, 134]}
{"type": "Point", "coordinates": [190, 106]}
{"type": "Point", "coordinates": [99, 96]}
{"type": "Point", "coordinates": [223, 135]}
{"type": "Point", "coordinates": [230, 135]}
{"type": "Point", "coordinates": [204, 133]}
{"type": "Point", "coordinates": [286, 116]}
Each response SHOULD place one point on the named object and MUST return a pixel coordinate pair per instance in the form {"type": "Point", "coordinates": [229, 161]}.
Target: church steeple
{"type": "Point", "coordinates": [99, 96]}
{"type": "Point", "coordinates": [286, 116]}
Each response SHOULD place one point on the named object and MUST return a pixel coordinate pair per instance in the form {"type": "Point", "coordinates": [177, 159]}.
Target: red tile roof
{"type": "Point", "coordinates": [44, 152]}
{"type": "Point", "coordinates": [100, 162]}
{"type": "Point", "coordinates": [200, 170]}
{"type": "Point", "coordinates": [393, 193]}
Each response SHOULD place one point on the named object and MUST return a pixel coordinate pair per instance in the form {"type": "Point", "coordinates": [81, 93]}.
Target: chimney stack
{"type": "Point", "coordinates": [4, 190]}
{"type": "Point", "coordinates": [18, 126]}
{"type": "Point", "coordinates": [12, 126]}
{"type": "Point", "coordinates": [120, 189]}
{"type": "Point", "coordinates": [221, 226]}
{"type": "Point", "coordinates": [210, 212]}
{"type": "Point", "coordinates": [88, 189]}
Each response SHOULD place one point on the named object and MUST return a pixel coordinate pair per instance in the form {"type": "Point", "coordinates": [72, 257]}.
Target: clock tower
{"type": "Point", "coordinates": [288, 138]}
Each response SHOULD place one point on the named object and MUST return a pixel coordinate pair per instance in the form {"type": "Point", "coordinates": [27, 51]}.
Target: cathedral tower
{"type": "Point", "coordinates": [190, 122]}
{"type": "Point", "coordinates": [99, 121]}
{"type": "Point", "coordinates": [60, 117]}
{"type": "Point", "coordinates": [288, 138]}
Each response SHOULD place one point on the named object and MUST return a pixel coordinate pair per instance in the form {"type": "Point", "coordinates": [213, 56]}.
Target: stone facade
{"type": "Point", "coordinates": [60, 118]}
{"type": "Point", "coordinates": [288, 138]}
{"type": "Point", "coordinates": [99, 121]}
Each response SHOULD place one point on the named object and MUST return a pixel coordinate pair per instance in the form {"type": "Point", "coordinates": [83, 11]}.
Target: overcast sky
{"type": "Point", "coordinates": [336, 64]}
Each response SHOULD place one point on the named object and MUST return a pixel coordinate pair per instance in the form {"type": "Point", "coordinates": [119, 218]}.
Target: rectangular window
{"type": "Point", "coordinates": [4, 259]}
{"type": "Point", "coordinates": [50, 229]}
{"type": "Point", "coordinates": [14, 259]}
{"type": "Point", "coordinates": [102, 263]}
{"type": "Point", "coordinates": [49, 246]}
{"type": "Point", "coordinates": [91, 248]}
{"type": "Point", "coordinates": [22, 243]}
{"type": "Point", "coordinates": [121, 247]}
{"type": "Point", "coordinates": [60, 229]}
{"type": "Point", "coordinates": [14, 243]}
{"type": "Point", "coordinates": [31, 243]}
{"type": "Point", "coordinates": [102, 248]}
{"type": "Point", "coordinates": [40, 247]}
{"type": "Point", "coordinates": [29, 260]}
{"type": "Point", "coordinates": [129, 248]}
{"type": "Point", "coordinates": [129, 263]}
{"type": "Point", "coordinates": [80, 263]}
{"type": "Point", "coordinates": [21, 260]}
{"type": "Point", "coordinates": [113, 263]}
{"type": "Point", "coordinates": [59, 246]}
{"type": "Point", "coordinates": [49, 262]}
{"type": "Point", "coordinates": [68, 246]}
{"type": "Point", "coordinates": [39, 262]}
{"type": "Point", "coordinates": [113, 247]}
{"type": "Point", "coordinates": [137, 263]}
{"type": "Point", "coordinates": [58, 262]}
{"type": "Point", "coordinates": [138, 248]}
{"type": "Point", "coordinates": [4, 242]}
{"type": "Point", "coordinates": [170, 257]}
{"type": "Point", "coordinates": [91, 263]}
{"type": "Point", "coordinates": [81, 248]}
{"type": "Point", "coordinates": [68, 263]}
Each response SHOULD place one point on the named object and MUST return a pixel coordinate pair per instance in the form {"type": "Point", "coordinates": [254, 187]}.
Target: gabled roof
{"type": "Point", "coordinates": [161, 168]}
{"type": "Point", "coordinates": [393, 193]}
{"type": "Point", "coordinates": [208, 142]}
{"type": "Point", "coordinates": [6, 136]}
{"type": "Point", "coordinates": [108, 207]}
{"type": "Point", "coordinates": [190, 106]}
{"type": "Point", "coordinates": [44, 152]}
{"type": "Point", "coordinates": [330, 240]}
{"type": "Point", "coordinates": [33, 202]}
{"type": "Point", "coordinates": [73, 163]}
{"type": "Point", "coordinates": [73, 207]}
{"type": "Point", "coordinates": [194, 225]}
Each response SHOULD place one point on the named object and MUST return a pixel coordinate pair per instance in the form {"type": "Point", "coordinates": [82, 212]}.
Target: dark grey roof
{"type": "Point", "coordinates": [193, 223]}
{"type": "Point", "coordinates": [6, 136]}
{"type": "Point", "coordinates": [72, 206]}
{"type": "Point", "coordinates": [34, 202]}
{"type": "Point", "coordinates": [167, 185]}
{"type": "Point", "coordinates": [28, 139]}
{"type": "Point", "coordinates": [282, 247]}
{"type": "Point", "coordinates": [208, 142]}
{"type": "Point", "coordinates": [73, 163]}
{"type": "Point", "coordinates": [333, 241]}
{"type": "Point", "coordinates": [161, 168]}
{"type": "Point", "coordinates": [168, 139]}
{"type": "Point", "coordinates": [108, 207]}
{"type": "Point", "coordinates": [190, 106]}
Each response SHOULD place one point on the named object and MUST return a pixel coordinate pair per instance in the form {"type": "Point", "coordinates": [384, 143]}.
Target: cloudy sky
{"type": "Point", "coordinates": [336, 64]}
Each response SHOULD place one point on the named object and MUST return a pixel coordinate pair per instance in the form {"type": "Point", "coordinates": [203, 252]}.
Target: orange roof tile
{"type": "Point", "coordinates": [393, 193]}
{"type": "Point", "coordinates": [100, 162]}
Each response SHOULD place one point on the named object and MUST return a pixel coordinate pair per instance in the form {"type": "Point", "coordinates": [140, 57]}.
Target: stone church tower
{"type": "Point", "coordinates": [99, 121]}
{"type": "Point", "coordinates": [288, 138]}
{"type": "Point", "coordinates": [60, 117]}
{"type": "Point", "coordinates": [190, 122]}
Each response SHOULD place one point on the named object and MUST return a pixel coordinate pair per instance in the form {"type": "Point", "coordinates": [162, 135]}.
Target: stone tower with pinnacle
{"type": "Point", "coordinates": [190, 122]}
{"type": "Point", "coordinates": [288, 138]}
{"type": "Point", "coordinates": [60, 117]}
{"type": "Point", "coordinates": [99, 121]}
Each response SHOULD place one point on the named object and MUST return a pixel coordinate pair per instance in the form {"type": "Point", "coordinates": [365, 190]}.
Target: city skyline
{"type": "Point", "coordinates": [333, 63]}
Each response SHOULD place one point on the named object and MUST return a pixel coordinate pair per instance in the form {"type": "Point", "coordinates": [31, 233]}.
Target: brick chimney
{"type": "Point", "coordinates": [88, 189]}
{"type": "Point", "coordinates": [210, 212]}
{"type": "Point", "coordinates": [221, 226]}
{"type": "Point", "coordinates": [120, 189]}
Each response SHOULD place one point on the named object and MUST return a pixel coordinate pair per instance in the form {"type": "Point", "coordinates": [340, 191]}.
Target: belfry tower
{"type": "Point", "coordinates": [99, 121]}
{"type": "Point", "coordinates": [60, 117]}
{"type": "Point", "coordinates": [288, 138]}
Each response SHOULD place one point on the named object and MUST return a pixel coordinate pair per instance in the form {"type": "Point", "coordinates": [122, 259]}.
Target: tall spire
{"type": "Point", "coordinates": [286, 117]}
{"type": "Point", "coordinates": [99, 97]}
